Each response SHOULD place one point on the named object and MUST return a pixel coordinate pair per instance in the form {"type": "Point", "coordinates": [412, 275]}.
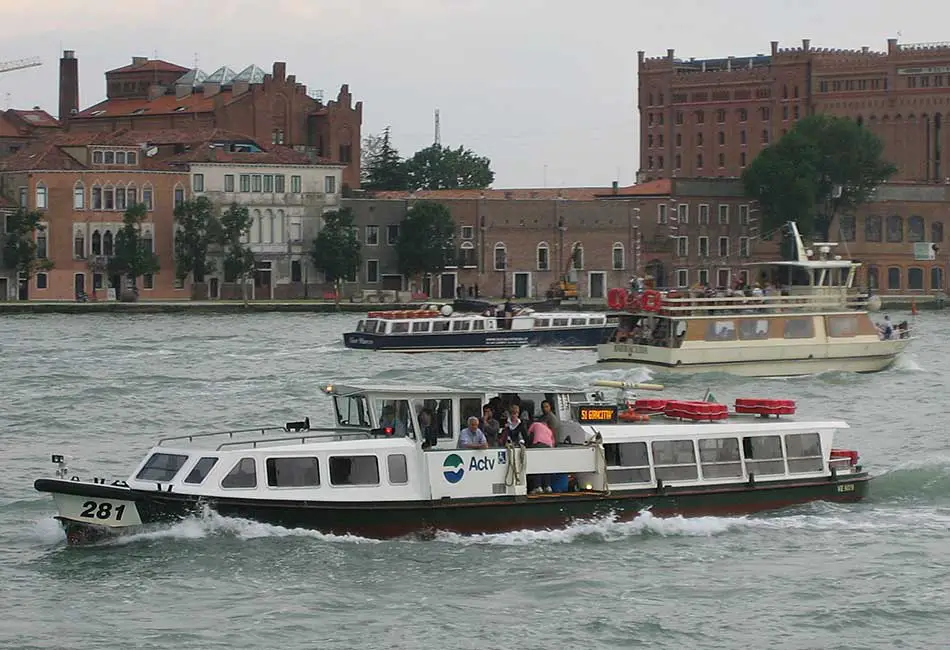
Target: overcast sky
{"type": "Point", "coordinates": [528, 83]}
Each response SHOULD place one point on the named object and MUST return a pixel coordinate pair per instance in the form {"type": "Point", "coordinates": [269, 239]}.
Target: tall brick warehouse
{"type": "Point", "coordinates": [710, 117]}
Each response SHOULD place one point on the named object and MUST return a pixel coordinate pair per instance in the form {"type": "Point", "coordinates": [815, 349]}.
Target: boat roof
{"type": "Point", "coordinates": [408, 389]}
{"type": "Point", "coordinates": [661, 427]}
{"type": "Point", "coordinates": [810, 264]}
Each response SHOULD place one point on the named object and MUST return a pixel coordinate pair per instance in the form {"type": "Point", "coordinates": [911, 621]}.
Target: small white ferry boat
{"type": "Point", "coordinates": [801, 317]}
{"type": "Point", "coordinates": [435, 328]}
{"type": "Point", "coordinates": [395, 464]}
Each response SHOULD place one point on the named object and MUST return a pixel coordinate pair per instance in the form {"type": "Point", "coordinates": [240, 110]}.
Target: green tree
{"type": "Point", "coordinates": [382, 167]}
{"type": "Point", "coordinates": [336, 249]}
{"type": "Point", "coordinates": [198, 229]}
{"type": "Point", "coordinates": [133, 254]}
{"type": "Point", "coordinates": [20, 252]}
{"type": "Point", "coordinates": [426, 239]}
{"type": "Point", "coordinates": [239, 261]}
{"type": "Point", "coordinates": [443, 168]}
{"type": "Point", "coordinates": [824, 166]}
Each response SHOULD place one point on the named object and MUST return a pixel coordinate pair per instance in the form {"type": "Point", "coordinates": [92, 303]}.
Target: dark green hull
{"type": "Point", "coordinates": [488, 515]}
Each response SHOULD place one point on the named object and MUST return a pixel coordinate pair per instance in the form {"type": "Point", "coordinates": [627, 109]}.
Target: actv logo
{"type": "Point", "coordinates": [452, 468]}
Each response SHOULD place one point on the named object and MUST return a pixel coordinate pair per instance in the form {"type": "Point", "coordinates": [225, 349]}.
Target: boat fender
{"type": "Point", "coordinates": [617, 299]}
{"type": "Point", "coordinates": [652, 300]}
{"type": "Point", "coordinates": [74, 478]}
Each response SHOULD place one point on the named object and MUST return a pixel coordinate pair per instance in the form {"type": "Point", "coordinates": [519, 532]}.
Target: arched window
{"type": "Point", "coordinates": [699, 161]}
{"type": "Point", "coordinates": [179, 196]}
{"type": "Point", "coordinates": [872, 228]}
{"type": "Point", "coordinates": [96, 243]}
{"type": "Point", "coordinates": [936, 231]}
{"type": "Point", "coordinates": [268, 227]}
{"type": "Point", "coordinates": [543, 257]}
{"type": "Point", "coordinates": [873, 278]}
{"type": "Point", "coordinates": [468, 254]}
{"type": "Point", "coordinates": [42, 196]}
{"type": "Point", "coordinates": [915, 229]}
{"type": "Point", "coordinates": [147, 242]}
{"type": "Point", "coordinates": [936, 277]}
{"type": "Point", "coordinates": [108, 198]}
{"type": "Point", "coordinates": [96, 200]}
{"type": "Point", "coordinates": [501, 257]}
{"type": "Point", "coordinates": [617, 257]}
{"type": "Point", "coordinates": [79, 196]}
{"type": "Point", "coordinates": [255, 234]}
{"type": "Point", "coordinates": [120, 199]}
{"type": "Point", "coordinates": [915, 278]}
{"type": "Point", "coordinates": [108, 249]}
{"type": "Point", "coordinates": [79, 245]}
{"type": "Point", "coordinates": [895, 228]}
{"type": "Point", "coordinates": [131, 195]}
{"type": "Point", "coordinates": [281, 234]}
{"type": "Point", "coordinates": [147, 198]}
{"type": "Point", "coordinates": [894, 277]}
{"type": "Point", "coordinates": [577, 256]}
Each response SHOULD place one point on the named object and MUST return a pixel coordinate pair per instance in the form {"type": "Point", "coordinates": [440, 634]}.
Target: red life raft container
{"type": "Point", "coordinates": [650, 405]}
{"type": "Point", "coordinates": [850, 454]}
{"type": "Point", "coordinates": [686, 410]}
{"type": "Point", "coordinates": [630, 415]}
{"type": "Point", "coordinates": [766, 407]}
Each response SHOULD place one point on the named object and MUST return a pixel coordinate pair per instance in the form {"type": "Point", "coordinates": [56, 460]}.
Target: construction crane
{"type": "Point", "coordinates": [9, 66]}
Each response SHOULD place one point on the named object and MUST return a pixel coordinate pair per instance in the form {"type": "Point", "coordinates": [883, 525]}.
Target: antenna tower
{"type": "Point", "coordinates": [438, 130]}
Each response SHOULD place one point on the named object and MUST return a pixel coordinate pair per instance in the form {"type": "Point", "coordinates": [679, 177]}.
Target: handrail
{"type": "Point", "coordinates": [335, 433]}
{"type": "Point", "coordinates": [230, 433]}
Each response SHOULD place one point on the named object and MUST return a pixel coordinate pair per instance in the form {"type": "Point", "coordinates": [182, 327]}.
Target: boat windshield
{"type": "Point", "coordinates": [395, 413]}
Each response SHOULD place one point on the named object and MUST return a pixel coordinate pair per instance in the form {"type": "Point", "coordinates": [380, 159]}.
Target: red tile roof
{"type": "Point", "coordinates": [151, 65]}
{"type": "Point", "coordinates": [161, 105]}
{"type": "Point", "coordinates": [517, 194]}
{"type": "Point", "coordinates": [274, 155]}
{"type": "Point", "coordinates": [37, 118]}
{"type": "Point", "coordinates": [661, 187]}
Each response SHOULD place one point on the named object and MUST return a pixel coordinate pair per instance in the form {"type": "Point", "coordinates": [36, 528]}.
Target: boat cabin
{"type": "Point", "coordinates": [433, 322]}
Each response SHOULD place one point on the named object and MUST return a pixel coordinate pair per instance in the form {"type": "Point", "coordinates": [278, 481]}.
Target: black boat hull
{"type": "Point", "coordinates": [563, 338]}
{"type": "Point", "coordinates": [384, 520]}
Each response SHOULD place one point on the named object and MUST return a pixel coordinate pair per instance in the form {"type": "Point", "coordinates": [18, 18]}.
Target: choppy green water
{"type": "Point", "coordinates": [102, 388]}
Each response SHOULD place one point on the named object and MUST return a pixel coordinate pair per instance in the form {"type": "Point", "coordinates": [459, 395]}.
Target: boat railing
{"type": "Point", "coordinates": [320, 434]}
{"type": "Point", "coordinates": [699, 306]}
{"type": "Point", "coordinates": [302, 428]}
{"type": "Point", "coordinates": [264, 430]}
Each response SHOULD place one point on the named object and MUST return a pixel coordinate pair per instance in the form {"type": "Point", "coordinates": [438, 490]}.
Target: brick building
{"type": "Point", "coordinates": [19, 128]}
{"type": "Point", "coordinates": [518, 242]}
{"type": "Point", "coordinates": [711, 117]}
{"type": "Point", "coordinates": [151, 94]}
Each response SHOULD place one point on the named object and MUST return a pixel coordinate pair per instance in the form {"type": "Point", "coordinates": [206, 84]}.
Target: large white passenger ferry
{"type": "Point", "coordinates": [801, 317]}
{"type": "Point", "coordinates": [394, 464]}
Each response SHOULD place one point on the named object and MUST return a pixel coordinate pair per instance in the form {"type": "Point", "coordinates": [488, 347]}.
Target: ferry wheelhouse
{"type": "Point", "coordinates": [803, 317]}
{"type": "Point", "coordinates": [431, 330]}
{"type": "Point", "coordinates": [391, 465]}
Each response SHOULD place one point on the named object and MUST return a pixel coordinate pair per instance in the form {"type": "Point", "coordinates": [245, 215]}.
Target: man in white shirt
{"type": "Point", "coordinates": [472, 437]}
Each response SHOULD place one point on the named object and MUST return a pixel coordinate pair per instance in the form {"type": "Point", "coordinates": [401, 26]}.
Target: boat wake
{"type": "Point", "coordinates": [914, 482]}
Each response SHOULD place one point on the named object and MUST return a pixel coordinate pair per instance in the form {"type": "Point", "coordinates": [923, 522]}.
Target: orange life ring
{"type": "Point", "coordinates": [652, 300]}
{"type": "Point", "coordinates": [617, 299]}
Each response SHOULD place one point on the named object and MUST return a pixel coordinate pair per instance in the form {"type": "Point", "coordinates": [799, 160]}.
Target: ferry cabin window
{"type": "Point", "coordinates": [598, 320]}
{"type": "Point", "coordinates": [674, 460]}
{"type": "Point", "coordinates": [161, 467]}
{"type": "Point", "coordinates": [293, 472]}
{"type": "Point", "coordinates": [799, 328]}
{"type": "Point", "coordinates": [442, 419]}
{"type": "Point", "coordinates": [398, 472]}
{"type": "Point", "coordinates": [361, 324]}
{"type": "Point", "coordinates": [242, 475]}
{"type": "Point", "coordinates": [400, 327]}
{"type": "Point", "coordinates": [842, 326]}
{"type": "Point", "coordinates": [720, 457]}
{"type": "Point", "coordinates": [200, 471]}
{"type": "Point", "coordinates": [395, 413]}
{"type": "Point", "coordinates": [354, 470]}
{"type": "Point", "coordinates": [542, 322]}
{"type": "Point", "coordinates": [440, 326]}
{"type": "Point", "coordinates": [632, 458]}
{"type": "Point", "coordinates": [560, 322]}
{"type": "Point", "coordinates": [468, 407]}
{"type": "Point", "coordinates": [461, 325]}
{"type": "Point", "coordinates": [804, 452]}
{"type": "Point", "coordinates": [421, 326]}
{"type": "Point", "coordinates": [478, 325]}
{"type": "Point", "coordinates": [578, 321]}
{"type": "Point", "coordinates": [351, 411]}
{"type": "Point", "coordinates": [721, 330]}
{"type": "Point", "coordinates": [753, 329]}
{"type": "Point", "coordinates": [763, 455]}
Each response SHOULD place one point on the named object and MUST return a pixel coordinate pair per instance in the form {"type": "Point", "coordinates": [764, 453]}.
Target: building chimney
{"type": "Point", "coordinates": [774, 48]}
{"type": "Point", "coordinates": [280, 69]}
{"type": "Point", "coordinates": [864, 49]}
{"type": "Point", "coordinates": [615, 187]}
{"type": "Point", "coordinates": [806, 43]}
{"type": "Point", "coordinates": [139, 60]}
{"type": "Point", "coordinates": [68, 85]}
{"type": "Point", "coordinates": [892, 46]}
{"type": "Point", "coordinates": [669, 54]}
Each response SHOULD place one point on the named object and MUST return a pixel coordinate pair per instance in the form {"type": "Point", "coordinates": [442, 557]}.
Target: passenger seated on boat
{"type": "Point", "coordinates": [489, 425]}
{"type": "Point", "coordinates": [472, 437]}
{"type": "Point", "coordinates": [515, 431]}
{"type": "Point", "coordinates": [429, 432]}
{"type": "Point", "coordinates": [388, 419]}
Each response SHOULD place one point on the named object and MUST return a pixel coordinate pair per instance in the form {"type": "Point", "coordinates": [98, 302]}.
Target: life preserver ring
{"type": "Point", "coordinates": [617, 299]}
{"type": "Point", "coordinates": [652, 300]}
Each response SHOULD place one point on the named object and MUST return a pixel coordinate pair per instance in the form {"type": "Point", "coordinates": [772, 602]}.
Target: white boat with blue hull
{"type": "Point", "coordinates": [430, 330]}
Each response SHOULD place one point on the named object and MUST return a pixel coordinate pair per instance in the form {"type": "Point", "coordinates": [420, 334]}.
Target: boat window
{"type": "Point", "coordinates": [398, 472]}
{"type": "Point", "coordinates": [598, 320]}
{"type": "Point", "coordinates": [478, 325]}
{"type": "Point", "coordinates": [804, 452]}
{"type": "Point", "coordinates": [560, 322]}
{"type": "Point", "coordinates": [440, 412]}
{"type": "Point", "coordinates": [632, 458]}
{"type": "Point", "coordinates": [720, 458]}
{"type": "Point", "coordinates": [469, 406]}
{"type": "Point", "coordinates": [381, 327]}
{"type": "Point", "coordinates": [674, 460]}
{"type": "Point", "coordinates": [351, 411]}
{"type": "Point", "coordinates": [753, 328]}
{"type": "Point", "coordinates": [461, 325]}
{"type": "Point", "coordinates": [721, 330]}
{"type": "Point", "coordinates": [440, 326]}
{"type": "Point", "coordinates": [242, 475]}
{"type": "Point", "coordinates": [799, 328]}
{"type": "Point", "coordinates": [354, 470]}
{"type": "Point", "coordinates": [421, 326]}
{"type": "Point", "coordinates": [395, 413]}
{"type": "Point", "coordinates": [200, 471]}
{"type": "Point", "coordinates": [842, 326]}
{"type": "Point", "coordinates": [542, 322]}
{"type": "Point", "coordinates": [578, 321]}
{"type": "Point", "coordinates": [161, 467]}
{"type": "Point", "coordinates": [293, 472]}
{"type": "Point", "coordinates": [763, 454]}
{"type": "Point", "coordinates": [369, 326]}
{"type": "Point", "coordinates": [361, 324]}
{"type": "Point", "coordinates": [400, 327]}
